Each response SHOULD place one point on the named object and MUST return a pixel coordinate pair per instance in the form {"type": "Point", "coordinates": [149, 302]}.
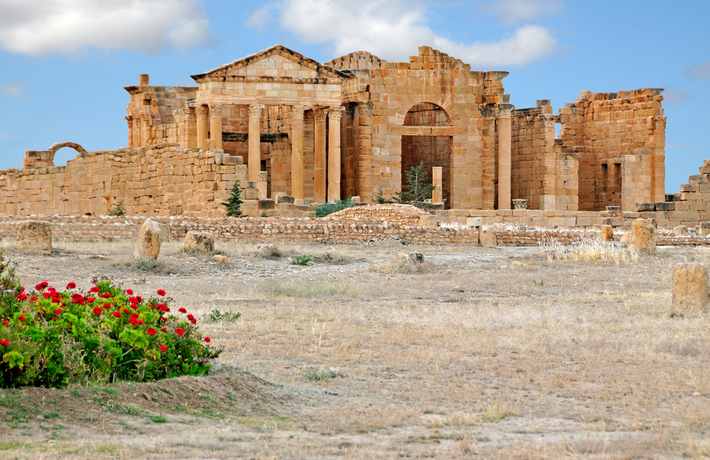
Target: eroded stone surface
{"type": "Point", "coordinates": [691, 294]}
{"type": "Point", "coordinates": [34, 236]}
{"type": "Point", "coordinates": [148, 242]}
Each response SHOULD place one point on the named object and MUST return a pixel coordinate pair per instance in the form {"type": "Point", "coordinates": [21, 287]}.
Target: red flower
{"type": "Point", "coordinates": [161, 292]}
{"type": "Point", "coordinates": [163, 329]}
{"type": "Point", "coordinates": [33, 298]}
{"type": "Point", "coordinates": [54, 319]}
{"type": "Point", "coordinates": [58, 311]}
{"type": "Point", "coordinates": [164, 318]}
{"type": "Point", "coordinates": [22, 296]}
{"type": "Point", "coordinates": [22, 318]}
{"type": "Point", "coordinates": [98, 310]}
{"type": "Point", "coordinates": [71, 285]}
{"type": "Point", "coordinates": [90, 299]}
{"type": "Point", "coordinates": [133, 321]}
{"type": "Point", "coordinates": [4, 343]}
{"type": "Point", "coordinates": [179, 331]}
{"type": "Point", "coordinates": [117, 314]}
{"type": "Point", "coordinates": [164, 348]}
{"type": "Point", "coordinates": [95, 289]}
{"type": "Point", "coordinates": [190, 317]}
{"type": "Point", "coordinates": [5, 323]}
{"type": "Point", "coordinates": [139, 299]}
{"type": "Point", "coordinates": [39, 287]}
{"type": "Point", "coordinates": [106, 295]}
{"type": "Point", "coordinates": [55, 300]}
{"type": "Point", "coordinates": [47, 295]}
{"type": "Point", "coordinates": [182, 310]}
{"type": "Point", "coordinates": [151, 331]}
{"type": "Point", "coordinates": [129, 291]}
{"type": "Point", "coordinates": [126, 311]}
{"type": "Point", "coordinates": [208, 340]}
{"type": "Point", "coordinates": [134, 315]}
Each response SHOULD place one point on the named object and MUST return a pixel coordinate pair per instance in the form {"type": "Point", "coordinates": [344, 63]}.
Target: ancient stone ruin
{"type": "Point", "coordinates": [295, 132]}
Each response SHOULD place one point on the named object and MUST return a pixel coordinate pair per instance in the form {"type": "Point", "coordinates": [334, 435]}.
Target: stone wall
{"type": "Point", "coordinates": [158, 180]}
{"type": "Point", "coordinates": [604, 129]}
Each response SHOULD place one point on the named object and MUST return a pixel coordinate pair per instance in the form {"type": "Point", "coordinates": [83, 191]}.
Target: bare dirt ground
{"type": "Point", "coordinates": [489, 352]}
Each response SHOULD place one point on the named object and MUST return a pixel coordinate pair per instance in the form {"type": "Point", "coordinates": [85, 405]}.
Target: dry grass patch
{"type": "Point", "coordinates": [591, 249]}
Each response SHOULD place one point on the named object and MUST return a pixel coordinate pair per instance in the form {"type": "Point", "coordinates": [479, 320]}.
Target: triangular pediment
{"type": "Point", "coordinates": [275, 62]}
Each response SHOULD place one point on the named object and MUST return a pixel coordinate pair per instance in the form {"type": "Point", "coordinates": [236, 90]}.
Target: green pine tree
{"type": "Point", "coordinates": [234, 202]}
{"type": "Point", "coordinates": [417, 186]}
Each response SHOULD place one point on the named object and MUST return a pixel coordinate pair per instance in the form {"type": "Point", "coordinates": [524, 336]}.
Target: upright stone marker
{"type": "Point", "coordinates": [148, 244]}
{"type": "Point", "coordinates": [607, 233]}
{"type": "Point", "coordinates": [643, 235]}
{"type": "Point", "coordinates": [487, 238]}
{"type": "Point", "coordinates": [691, 293]}
{"type": "Point", "coordinates": [34, 236]}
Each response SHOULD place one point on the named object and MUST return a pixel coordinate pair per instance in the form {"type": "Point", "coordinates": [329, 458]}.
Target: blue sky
{"type": "Point", "coordinates": [64, 63]}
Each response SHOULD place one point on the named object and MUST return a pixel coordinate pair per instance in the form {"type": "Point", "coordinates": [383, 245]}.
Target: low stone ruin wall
{"type": "Point", "coordinates": [310, 230]}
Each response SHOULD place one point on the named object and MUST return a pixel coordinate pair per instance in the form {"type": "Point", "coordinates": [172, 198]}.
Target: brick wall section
{"type": "Point", "coordinates": [158, 180]}
{"type": "Point", "coordinates": [303, 230]}
{"type": "Point", "coordinates": [603, 128]}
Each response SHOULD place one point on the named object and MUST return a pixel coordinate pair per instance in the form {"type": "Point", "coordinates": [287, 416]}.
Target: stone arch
{"type": "Point", "coordinates": [59, 145]}
{"type": "Point", "coordinates": [421, 146]}
{"type": "Point", "coordinates": [427, 114]}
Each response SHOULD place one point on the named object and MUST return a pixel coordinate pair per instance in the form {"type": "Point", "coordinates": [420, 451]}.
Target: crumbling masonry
{"type": "Point", "coordinates": [286, 125]}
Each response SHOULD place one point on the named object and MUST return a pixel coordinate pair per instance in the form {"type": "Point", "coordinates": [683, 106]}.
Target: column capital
{"type": "Point", "coordinates": [298, 109]}
{"type": "Point", "coordinates": [128, 118]}
{"type": "Point", "coordinates": [548, 119]}
{"type": "Point", "coordinates": [320, 114]}
{"type": "Point", "coordinates": [335, 113]}
{"type": "Point", "coordinates": [505, 113]}
{"type": "Point", "coordinates": [256, 108]}
{"type": "Point", "coordinates": [366, 107]}
{"type": "Point", "coordinates": [201, 110]}
{"type": "Point", "coordinates": [216, 110]}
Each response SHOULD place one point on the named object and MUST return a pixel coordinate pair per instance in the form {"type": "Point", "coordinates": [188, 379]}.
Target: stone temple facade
{"type": "Point", "coordinates": [284, 124]}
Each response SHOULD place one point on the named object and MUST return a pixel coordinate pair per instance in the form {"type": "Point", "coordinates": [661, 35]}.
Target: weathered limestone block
{"type": "Point", "coordinates": [148, 243]}
{"type": "Point", "coordinates": [691, 293]}
{"type": "Point", "coordinates": [34, 236]}
{"type": "Point", "coordinates": [224, 260]}
{"type": "Point", "coordinates": [198, 241]}
{"type": "Point", "coordinates": [643, 235]}
{"type": "Point", "coordinates": [607, 233]}
{"type": "Point", "coordinates": [704, 228]}
{"type": "Point", "coordinates": [681, 230]}
{"type": "Point", "coordinates": [487, 238]}
{"type": "Point", "coordinates": [428, 221]}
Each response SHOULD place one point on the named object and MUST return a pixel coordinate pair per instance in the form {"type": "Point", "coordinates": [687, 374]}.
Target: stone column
{"type": "Point", "coordinates": [366, 186]}
{"type": "Point", "coordinates": [136, 131]}
{"type": "Point", "coordinates": [262, 184]}
{"type": "Point", "coordinates": [437, 196]}
{"type": "Point", "coordinates": [504, 159]}
{"type": "Point", "coordinates": [129, 120]}
{"type": "Point", "coordinates": [319, 192]}
{"type": "Point", "coordinates": [216, 125]}
{"type": "Point", "coordinates": [548, 200]}
{"type": "Point", "coordinates": [334, 116]}
{"type": "Point", "coordinates": [202, 126]}
{"type": "Point", "coordinates": [297, 152]}
{"type": "Point", "coordinates": [254, 158]}
{"type": "Point", "coordinates": [145, 129]}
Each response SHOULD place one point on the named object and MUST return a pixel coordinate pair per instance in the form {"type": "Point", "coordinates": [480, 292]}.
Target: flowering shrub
{"type": "Point", "coordinates": [53, 338]}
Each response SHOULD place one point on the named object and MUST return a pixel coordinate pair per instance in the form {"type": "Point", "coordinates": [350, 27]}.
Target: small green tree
{"type": "Point", "coordinates": [119, 209]}
{"type": "Point", "coordinates": [417, 186]}
{"type": "Point", "coordinates": [234, 202]}
{"type": "Point", "coordinates": [380, 196]}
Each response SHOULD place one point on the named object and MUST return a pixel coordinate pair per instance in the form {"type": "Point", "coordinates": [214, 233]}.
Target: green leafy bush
{"type": "Point", "coordinates": [53, 338]}
{"type": "Point", "coordinates": [119, 209]}
{"type": "Point", "coordinates": [324, 209]}
{"type": "Point", "coordinates": [303, 259]}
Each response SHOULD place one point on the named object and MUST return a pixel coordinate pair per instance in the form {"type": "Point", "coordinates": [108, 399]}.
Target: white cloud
{"type": "Point", "coordinates": [394, 29]}
{"type": "Point", "coordinates": [517, 11]}
{"type": "Point", "coordinates": [12, 90]}
{"type": "Point", "coordinates": [41, 27]}
{"type": "Point", "coordinates": [672, 95]}
{"type": "Point", "coordinates": [259, 18]}
{"type": "Point", "coordinates": [700, 71]}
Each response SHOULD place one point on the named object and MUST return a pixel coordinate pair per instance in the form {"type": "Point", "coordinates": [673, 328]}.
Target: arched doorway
{"type": "Point", "coordinates": [419, 146]}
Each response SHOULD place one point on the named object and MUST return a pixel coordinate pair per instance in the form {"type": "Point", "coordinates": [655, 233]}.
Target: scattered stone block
{"type": "Point", "coordinates": [641, 207]}
{"type": "Point", "coordinates": [148, 243]}
{"type": "Point", "coordinates": [268, 250]}
{"type": "Point", "coordinates": [474, 222]}
{"type": "Point", "coordinates": [607, 233]}
{"type": "Point", "coordinates": [164, 232]}
{"type": "Point", "coordinates": [428, 221]}
{"type": "Point", "coordinates": [667, 206]}
{"type": "Point", "coordinates": [487, 238]}
{"type": "Point", "coordinates": [691, 294]}
{"type": "Point", "coordinates": [285, 199]}
{"type": "Point", "coordinates": [680, 230]}
{"type": "Point", "coordinates": [224, 260]}
{"type": "Point", "coordinates": [643, 235]}
{"type": "Point", "coordinates": [198, 241]}
{"type": "Point", "coordinates": [34, 236]}
{"type": "Point", "coordinates": [704, 228]}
